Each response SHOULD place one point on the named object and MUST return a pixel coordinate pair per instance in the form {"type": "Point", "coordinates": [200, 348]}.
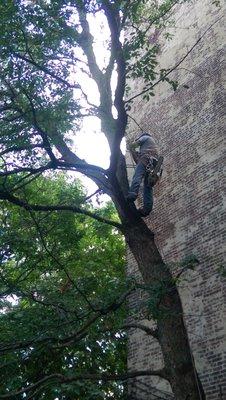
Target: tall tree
{"type": "Point", "coordinates": [48, 52]}
{"type": "Point", "coordinates": [63, 293]}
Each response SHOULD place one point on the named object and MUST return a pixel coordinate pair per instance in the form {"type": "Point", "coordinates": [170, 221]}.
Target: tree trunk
{"type": "Point", "coordinates": [171, 331]}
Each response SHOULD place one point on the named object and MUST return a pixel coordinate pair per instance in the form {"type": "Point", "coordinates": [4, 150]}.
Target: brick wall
{"type": "Point", "coordinates": [189, 210]}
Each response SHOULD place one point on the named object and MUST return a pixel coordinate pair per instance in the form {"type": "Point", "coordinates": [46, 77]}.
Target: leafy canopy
{"type": "Point", "coordinates": [61, 277]}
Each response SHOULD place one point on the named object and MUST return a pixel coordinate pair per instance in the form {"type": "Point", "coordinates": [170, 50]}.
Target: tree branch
{"type": "Point", "coordinates": [158, 17]}
{"type": "Point", "coordinates": [114, 25]}
{"type": "Point", "coordinates": [74, 337]}
{"type": "Point", "coordinates": [102, 80]}
{"type": "Point", "coordinates": [103, 311]}
{"type": "Point", "coordinates": [145, 328]}
{"type": "Point", "coordinates": [59, 378]}
{"type": "Point", "coordinates": [81, 166]}
{"type": "Point", "coordinates": [4, 195]}
{"type": "Point", "coordinates": [97, 174]}
{"type": "Point", "coordinates": [28, 169]}
{"type": "Point", "coordinates": [44, 136]}
{"type": "Point", "coordinates": [21, 148]}
{"type": "Point", "coordinates": [85, 39]}
{"type": "Point", "coordinates": [46, 71]}
{"type": "Point", "coordinates": [92, 194]}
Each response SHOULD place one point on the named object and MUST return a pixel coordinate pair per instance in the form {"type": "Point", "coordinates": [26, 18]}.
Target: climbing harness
{"type": "Point", "coordinates": [154, 170]}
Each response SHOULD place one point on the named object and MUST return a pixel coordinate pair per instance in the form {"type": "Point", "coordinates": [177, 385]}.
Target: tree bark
{"type": "Point", "coordinates": [171, 330]}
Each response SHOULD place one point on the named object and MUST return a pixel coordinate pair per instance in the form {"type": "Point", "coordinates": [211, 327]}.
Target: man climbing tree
{"type": "Point", "coordinates": [48, 54]}
{"type": "Point", "coordinates": [146, 160]}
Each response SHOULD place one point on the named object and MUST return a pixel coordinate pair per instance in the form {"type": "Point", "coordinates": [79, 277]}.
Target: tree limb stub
{"type": "Point", "coordinates": [145, 328]}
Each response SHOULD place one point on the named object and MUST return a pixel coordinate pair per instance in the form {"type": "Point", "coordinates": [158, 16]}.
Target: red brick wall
{"type": "Point", "coordinates": [189, 210]}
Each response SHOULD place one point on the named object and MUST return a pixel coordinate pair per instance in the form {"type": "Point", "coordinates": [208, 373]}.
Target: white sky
{"type": "Point", "coordinates": [91, 143]}
{"type": "Point", "coordinates": [92, 146]}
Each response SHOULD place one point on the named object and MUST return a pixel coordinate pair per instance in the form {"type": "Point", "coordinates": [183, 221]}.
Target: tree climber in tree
{"type": "Point", "coordinates": [146, 160]}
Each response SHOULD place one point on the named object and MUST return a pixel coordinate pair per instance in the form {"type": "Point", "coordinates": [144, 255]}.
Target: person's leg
{"type": "Point", "coordinates": [147, 198]}
{"type": "Point", "coordinates": [140, 172]}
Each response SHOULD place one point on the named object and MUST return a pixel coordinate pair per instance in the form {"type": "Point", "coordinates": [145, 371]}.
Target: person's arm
{"type": "Point", "coordinates": [132, 148]}
{"type": "Point", "coordinates": [134, 145]}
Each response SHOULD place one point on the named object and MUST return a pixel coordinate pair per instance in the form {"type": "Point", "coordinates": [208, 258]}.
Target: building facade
{"type": "Point", "coordinates": [189, 201]}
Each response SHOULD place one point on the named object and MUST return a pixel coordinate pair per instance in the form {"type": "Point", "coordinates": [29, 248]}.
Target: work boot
{"type": "Point", "coordinates": [143, 212]}
{"type": "Point", "coordinates": [131, 196]}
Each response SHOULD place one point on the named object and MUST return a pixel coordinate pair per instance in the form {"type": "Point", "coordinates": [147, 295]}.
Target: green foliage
{"type": "Point", "coordinates": [217, 3]}
{"type": "Point", "coordinates": [142, 46]}
{"type": "Point", "coordinates": [37, 32]}
{"type": "Point", "coordinates": [160, 290]}
{"type": "Point", "coordinates": [155, 294]}
{"type": "Point", "coordinates": [222, 270]}
{"type": "Point", "coordinates": [58, 270]}
{"type": "Point", "coordinates": [189, 262]}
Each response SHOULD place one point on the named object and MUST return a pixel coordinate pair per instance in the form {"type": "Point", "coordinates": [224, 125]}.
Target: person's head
{"type": "Point", "coordinates": [141, 135]}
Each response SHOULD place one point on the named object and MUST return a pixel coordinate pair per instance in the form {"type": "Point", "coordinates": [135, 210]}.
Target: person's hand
{"type": "Point", "coordinates": [132, 146]}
